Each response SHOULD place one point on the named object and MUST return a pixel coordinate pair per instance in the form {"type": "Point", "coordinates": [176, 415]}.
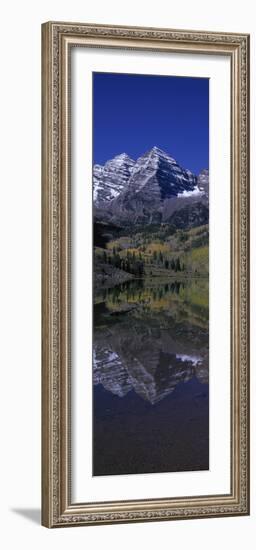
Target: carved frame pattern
{"type": "Point", "coordinates": [57, 509]}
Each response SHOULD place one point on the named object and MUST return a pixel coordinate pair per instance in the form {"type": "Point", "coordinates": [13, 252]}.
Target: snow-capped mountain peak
{"type": "Point", "coordinates": [158, 169]}
{"type": "Point", "coordinates": [146, 189]}
{"type": "Point", "coordinates": [109, 180]}
{"type": "Point", "coordinates": [156, 152]}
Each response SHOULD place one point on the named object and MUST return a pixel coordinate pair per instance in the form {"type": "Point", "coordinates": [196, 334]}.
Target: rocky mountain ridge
{"type": "Point", "coordinates": [110, 180]}
{"type": "Point", "coordinates": [148, 190]}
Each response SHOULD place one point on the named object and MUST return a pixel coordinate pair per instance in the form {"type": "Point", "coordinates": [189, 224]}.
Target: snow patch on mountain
{"type": "Point", "coordinates": [110, 180]}
{"type": "Point", "coordinates": [193, 193]}
{"type": "Point", "coordinates": [189, 359]}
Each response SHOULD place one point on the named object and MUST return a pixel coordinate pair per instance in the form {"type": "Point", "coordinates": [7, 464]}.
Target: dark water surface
{"type": "Point", "coordinates": [150, 371]}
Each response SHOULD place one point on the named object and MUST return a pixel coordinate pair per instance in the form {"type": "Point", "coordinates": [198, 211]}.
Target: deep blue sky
{"type": "Point", "coordinates": [132, 113]}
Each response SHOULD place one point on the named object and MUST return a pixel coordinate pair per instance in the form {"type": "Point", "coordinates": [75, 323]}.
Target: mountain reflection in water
{"type": "Point", "coordinates": [150, 376]}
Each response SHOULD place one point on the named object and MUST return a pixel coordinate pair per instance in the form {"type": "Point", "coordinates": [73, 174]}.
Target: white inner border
{"type": "Point", "coordinates": [85, 487]}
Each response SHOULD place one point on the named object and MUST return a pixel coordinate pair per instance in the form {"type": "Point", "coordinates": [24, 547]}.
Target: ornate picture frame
{"type": "Point", "coordinates": [58, 39]}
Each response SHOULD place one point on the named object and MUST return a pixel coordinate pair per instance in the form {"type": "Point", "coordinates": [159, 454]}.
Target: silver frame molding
{"type": "Point", "coordinates": [57, 41]}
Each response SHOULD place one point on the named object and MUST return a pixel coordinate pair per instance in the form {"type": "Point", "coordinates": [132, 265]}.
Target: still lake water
{"type": "Point", "coordinates": [150, 376]}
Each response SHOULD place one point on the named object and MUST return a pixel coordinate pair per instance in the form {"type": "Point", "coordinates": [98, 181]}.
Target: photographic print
{"type": "Point", "coordinates": [150, 274]}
